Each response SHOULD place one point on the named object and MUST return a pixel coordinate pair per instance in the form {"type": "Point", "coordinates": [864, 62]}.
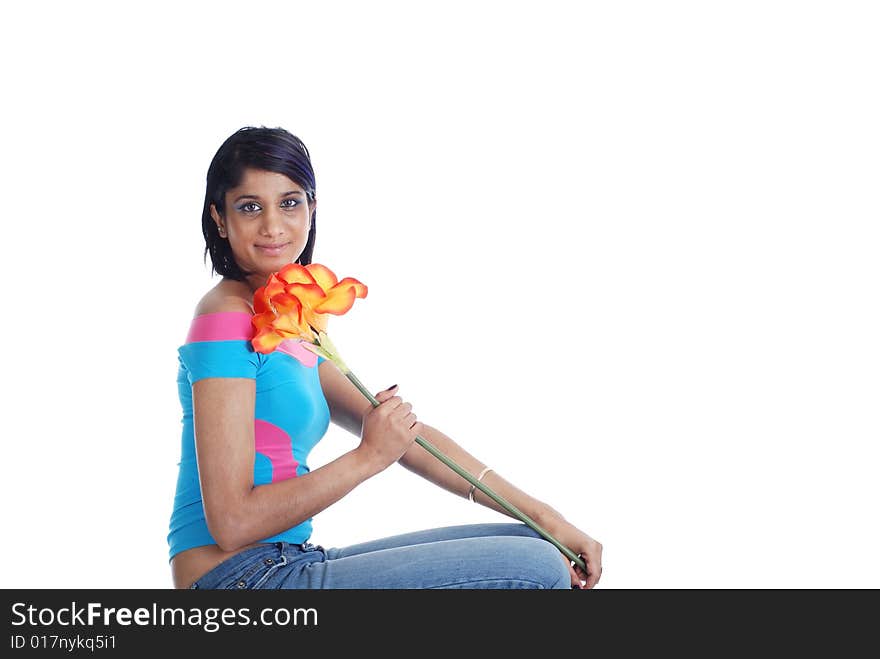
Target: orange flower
{"type": "Point", "coordinates": [295, 302]}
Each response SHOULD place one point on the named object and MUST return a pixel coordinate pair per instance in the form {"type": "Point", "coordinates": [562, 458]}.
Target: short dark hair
{"type": "Point", "coordinates": [269, 149]}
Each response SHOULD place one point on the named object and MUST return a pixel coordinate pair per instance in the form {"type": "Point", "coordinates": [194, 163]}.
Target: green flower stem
{"type": "Point", "coordinates": [425, 444]}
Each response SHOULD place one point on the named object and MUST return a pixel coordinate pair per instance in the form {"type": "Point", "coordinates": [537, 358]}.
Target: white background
{"type": "Point", "coordinates": [625, 253]}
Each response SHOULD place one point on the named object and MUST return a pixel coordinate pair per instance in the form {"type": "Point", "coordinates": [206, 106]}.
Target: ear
{"type": "Point", "coordinates": [313, 204]}
{"type": "Point", "coordinates": [217, 219]}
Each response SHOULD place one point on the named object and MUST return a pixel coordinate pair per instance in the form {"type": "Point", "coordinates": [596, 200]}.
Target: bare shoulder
{"type": "Point", "coordinates": [225, 296]}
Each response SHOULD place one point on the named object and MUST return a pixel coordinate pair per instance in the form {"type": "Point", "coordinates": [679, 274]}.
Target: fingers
{"type": "Point", "coordinates": [401, 410]}
{"type": "Point", "coordinates": [593, 559]}
{"type": "Point", "coordinates": [407, 419]}
{"type": "Point", "coordinates": [395, 406]}
{"type": "Point", "coordinates": [386, 394]}
{"type": "Point", "coordinates": [415, 426]}
{"type": "Point", "coordinates": [576, 581]}
{"type": "Point", "coordinates": [397, 410]}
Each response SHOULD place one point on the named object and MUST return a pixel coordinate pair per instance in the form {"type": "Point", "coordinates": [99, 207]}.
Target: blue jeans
{"type": "Point", "coordinates": [500, 555]}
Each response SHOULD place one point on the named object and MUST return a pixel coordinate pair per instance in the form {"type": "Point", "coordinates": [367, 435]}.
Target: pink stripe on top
{"type": "Point", "coordinates": [296, 349]}
{"type": "Point", "coordinates": [221, 326]}
{"type": "Point", "coordinates": [275, 444]}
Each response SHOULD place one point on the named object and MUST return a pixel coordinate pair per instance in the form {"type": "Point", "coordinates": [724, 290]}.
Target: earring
{"type": "Point", "coordinates": [221, 231]}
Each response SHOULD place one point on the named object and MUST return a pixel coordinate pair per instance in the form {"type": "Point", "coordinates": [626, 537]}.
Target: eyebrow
{"type": "Point", "coordinates": [251, 196]}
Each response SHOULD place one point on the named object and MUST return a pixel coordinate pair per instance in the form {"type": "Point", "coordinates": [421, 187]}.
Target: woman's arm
{"type": "Point", "coordinates": [347, 405]}
{"type": "Point", "coordinates": [420, 462]}
{"type": "Point", "coordinates": [347, 408]}
{"type": "Point", "coordinates": [237, 513]}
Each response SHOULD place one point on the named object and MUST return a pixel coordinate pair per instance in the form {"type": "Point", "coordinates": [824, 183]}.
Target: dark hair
{"type": "Point", "coordinates": [269, 149]}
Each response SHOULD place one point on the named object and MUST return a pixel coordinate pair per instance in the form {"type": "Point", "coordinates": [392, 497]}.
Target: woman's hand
{"type": "Point", "coordinates": [388, 430]}
{"type": "Point", "coordinates": [584, 546]}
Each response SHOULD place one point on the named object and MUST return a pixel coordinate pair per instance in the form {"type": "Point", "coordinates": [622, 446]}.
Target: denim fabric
{"type": "Point", "coordinates": [489, 556]}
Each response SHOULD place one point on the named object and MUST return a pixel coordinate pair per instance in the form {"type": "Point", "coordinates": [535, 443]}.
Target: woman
{"type": "Point", "coordinates": [245, 495]}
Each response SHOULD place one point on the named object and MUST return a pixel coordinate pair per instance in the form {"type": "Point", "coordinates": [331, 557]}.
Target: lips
{"type": "Point", "coordinates": [272, 249]}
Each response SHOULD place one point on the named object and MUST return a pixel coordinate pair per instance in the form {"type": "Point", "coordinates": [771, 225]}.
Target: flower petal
{"type": "Point", "coordinates": [261, 301]}
{"type": "Point", "coordinates": [266, 340]}
{"type": "Point", "coordinates": [261, 320]}
{"type": "Point", "coordinates": [290, 326]}
{"type": "Point", "coordinates": [290, 319]}
{"type": "Point", "coordinates": [316, 320]}
{"type": "Point", "coordinates": [285, 303]}
{"type": "Point", "coordinates": [308, 294]}
{"type": "Point", "coordinates": [323, 276]}
{"type": "Point", "coordinates": [294, 273]}
{"type": "Point", "coordinates": [273, 287]}
{"type": "Point", "coordinates": [338, 301]}
{"type": "Point", "coordinates": [360, 290]}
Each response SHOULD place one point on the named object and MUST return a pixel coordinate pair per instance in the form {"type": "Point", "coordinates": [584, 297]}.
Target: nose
{"type": "Point", "coordinates": [272, 224]}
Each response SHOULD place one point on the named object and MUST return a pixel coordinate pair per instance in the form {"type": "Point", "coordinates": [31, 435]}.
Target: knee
{"type": "Point", "coordinates": [547, 564]}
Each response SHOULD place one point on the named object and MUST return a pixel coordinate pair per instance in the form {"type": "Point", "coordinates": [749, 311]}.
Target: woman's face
{"type": "Point", "coordinates": [267, 222]}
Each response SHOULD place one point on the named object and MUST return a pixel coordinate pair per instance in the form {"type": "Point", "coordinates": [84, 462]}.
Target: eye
{"type": "Point", "coordinates": [249, 207]}
{"type": "Point", "coordinates": [293, 203]}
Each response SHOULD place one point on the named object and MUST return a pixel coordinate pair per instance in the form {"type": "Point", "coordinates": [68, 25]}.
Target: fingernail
{"type": "Point", "coordinates": [391, 387]}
